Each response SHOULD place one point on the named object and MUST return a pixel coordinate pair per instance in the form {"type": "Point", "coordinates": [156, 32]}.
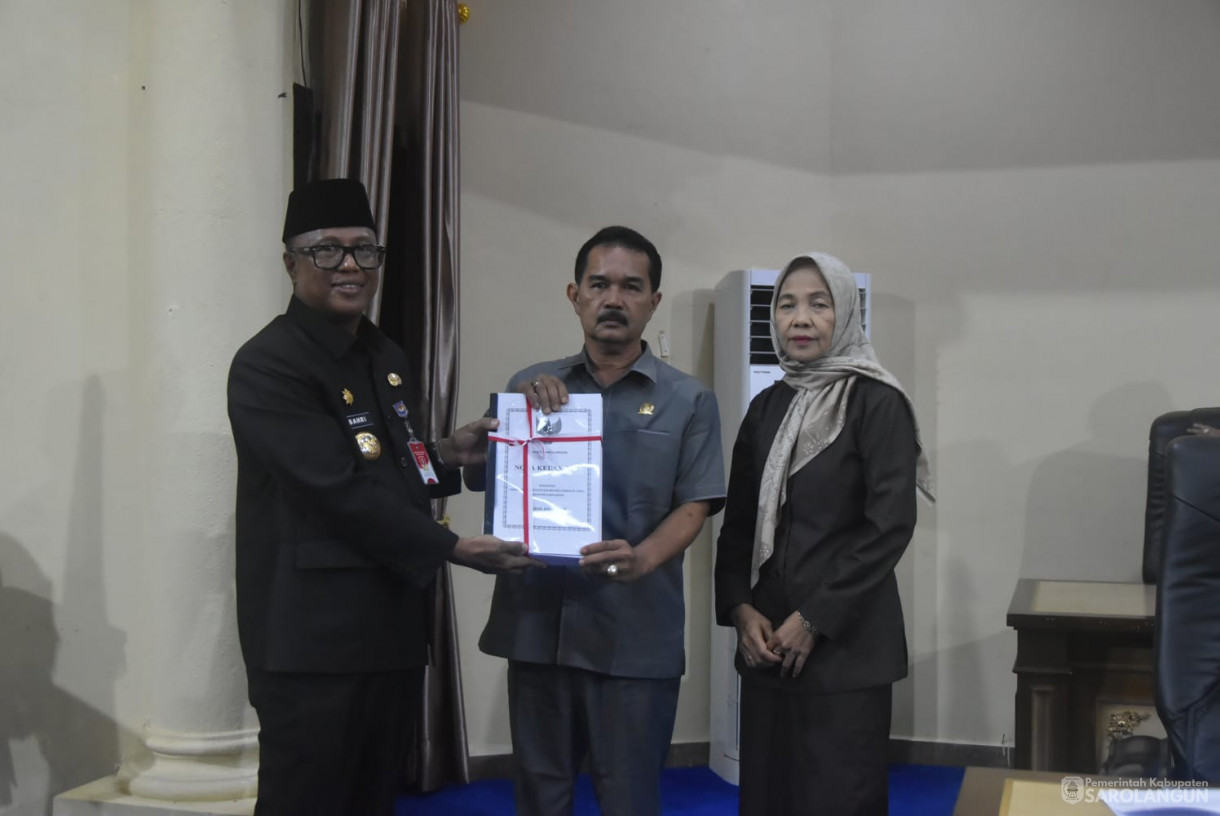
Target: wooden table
{"type": "Point", "coordinates": [982, 793]}
{"type": "Point", "coordinates": [1078, 643]}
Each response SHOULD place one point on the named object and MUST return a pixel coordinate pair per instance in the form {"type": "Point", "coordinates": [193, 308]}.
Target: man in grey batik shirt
{"type": "Point", "coordinates": [596, 652]}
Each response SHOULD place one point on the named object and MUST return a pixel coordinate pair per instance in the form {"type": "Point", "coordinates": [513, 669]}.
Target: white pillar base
{"type": "Point", "coordinates": [104, 797]}
{"type": "Point", "coordinates": [184, 767]}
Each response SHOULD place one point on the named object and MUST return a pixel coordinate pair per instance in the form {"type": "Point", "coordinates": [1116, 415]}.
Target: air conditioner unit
{"type": "Point", "coordinates": [745, 364]}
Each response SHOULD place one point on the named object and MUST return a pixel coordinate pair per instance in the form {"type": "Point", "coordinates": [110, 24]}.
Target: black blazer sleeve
{"type": "Point", "coordinates": [735, 547]}
{"type": "Point", "coordinates": [278, 419]}
{"type": "Point", "coordinates": [887, 449]}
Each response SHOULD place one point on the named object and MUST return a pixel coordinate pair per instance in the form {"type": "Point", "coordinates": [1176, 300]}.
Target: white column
{"type": "Point", "coordinates": [210, 152]}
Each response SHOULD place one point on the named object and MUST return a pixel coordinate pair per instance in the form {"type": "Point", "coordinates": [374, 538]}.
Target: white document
{"type": "Point", "coordinates": [544, 476]}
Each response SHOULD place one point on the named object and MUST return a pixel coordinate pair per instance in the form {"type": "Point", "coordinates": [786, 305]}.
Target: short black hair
{"type": "Point", "coordinates": [626, 238]}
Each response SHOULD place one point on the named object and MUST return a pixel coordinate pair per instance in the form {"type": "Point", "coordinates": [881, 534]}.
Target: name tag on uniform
{"type": "Point", "coordinates": [362, 420]}
{"type": "Point", "coordinates": [419, 452]}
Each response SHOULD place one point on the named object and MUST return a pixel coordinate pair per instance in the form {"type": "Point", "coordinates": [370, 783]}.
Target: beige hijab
{"type": "Point", "coordinates": [817, 413]}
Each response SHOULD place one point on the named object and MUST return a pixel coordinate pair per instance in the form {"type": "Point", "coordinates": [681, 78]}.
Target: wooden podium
{"type": "Point", "coordinates": [1080, 645]}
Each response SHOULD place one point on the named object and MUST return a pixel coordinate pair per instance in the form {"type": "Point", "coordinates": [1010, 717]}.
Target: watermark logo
{"type": "Point", "coordinates": [1077, 789]}
{"type": "Point", "coordinates": [1072, 789]}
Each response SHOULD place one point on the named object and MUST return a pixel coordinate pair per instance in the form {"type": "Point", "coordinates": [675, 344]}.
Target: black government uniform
{"type": "Point", "coordinates": [334, 550]}
{"type": "Point", "coordinates": [816, 744]}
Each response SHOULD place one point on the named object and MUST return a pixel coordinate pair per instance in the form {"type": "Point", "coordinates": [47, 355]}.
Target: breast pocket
{"type": "Point", "coordinates": [654, 465]}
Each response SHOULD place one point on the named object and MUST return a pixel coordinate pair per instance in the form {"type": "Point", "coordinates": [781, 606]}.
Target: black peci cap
{"type": "Point", "coordinates": [327, 203]}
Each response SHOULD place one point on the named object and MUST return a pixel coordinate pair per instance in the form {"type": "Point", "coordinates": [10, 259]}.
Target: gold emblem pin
{"type": "Point", "coordinates": [347, 397]}
{"type": "Point", "coordinates": [647, 408]}
{"type": "Point", "coordinates": [393, 379]}
{"type": "Point", "coordinates": [369, 445]}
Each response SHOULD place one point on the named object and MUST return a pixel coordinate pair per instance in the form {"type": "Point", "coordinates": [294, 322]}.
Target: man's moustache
{"type": "Point", "coordinates": [612, 317]}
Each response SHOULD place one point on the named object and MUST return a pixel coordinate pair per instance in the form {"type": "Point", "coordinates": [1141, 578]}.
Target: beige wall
{"type": "Point", "coordinates": [1033, 184]}
{"type": "Point", "coordinates": [132, 166]}
{"type": "Point", "coordinates": [65, 352]}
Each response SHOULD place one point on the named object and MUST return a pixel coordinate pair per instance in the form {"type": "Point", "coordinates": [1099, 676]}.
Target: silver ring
{"type": "Point", "coordinates": [612, 570]}
{"type": "Point", "coordinates": [535, 383]}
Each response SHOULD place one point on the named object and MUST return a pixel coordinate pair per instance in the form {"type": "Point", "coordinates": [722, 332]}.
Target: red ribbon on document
{"type": "Point", "coordinates": [525, 460]}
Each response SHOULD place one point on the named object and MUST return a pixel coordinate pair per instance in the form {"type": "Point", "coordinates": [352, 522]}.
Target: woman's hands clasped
{"type": "Point", "coordinates": [792, 643]}
{"type": "Point", "coordinates": [753, 632]}
{"type": "Point", "coordinates": [759, 645]}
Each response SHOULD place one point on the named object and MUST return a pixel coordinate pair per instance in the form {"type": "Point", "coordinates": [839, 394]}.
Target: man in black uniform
{"type": "Point", "coordinates": [335, 541]}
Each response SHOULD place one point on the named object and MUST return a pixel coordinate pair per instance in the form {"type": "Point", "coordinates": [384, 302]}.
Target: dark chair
{"type": "Point", "coordinates": [1138, 757]}
{"type": "Point", "coordinates": [1165, 428]}
{"type": "Point", "coordinates": [1187, 636]}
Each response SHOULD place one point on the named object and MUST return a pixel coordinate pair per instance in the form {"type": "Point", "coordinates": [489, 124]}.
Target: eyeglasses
{"type": "Point", "coordinates": [331, 256]}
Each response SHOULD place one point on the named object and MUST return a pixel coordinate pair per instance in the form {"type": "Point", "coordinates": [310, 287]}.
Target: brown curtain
{"type": "Point", "coordinates": [386, 88]}
{"type": "Point", "coordinates": [354, 74]}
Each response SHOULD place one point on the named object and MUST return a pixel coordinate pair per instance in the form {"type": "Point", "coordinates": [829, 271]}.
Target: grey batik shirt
{"type": "Point", "coordinates": [660, 449]}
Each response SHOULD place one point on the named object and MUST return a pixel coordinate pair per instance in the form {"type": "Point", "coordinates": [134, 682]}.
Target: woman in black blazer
{"type": "Point", "coordinates": [821, 507]}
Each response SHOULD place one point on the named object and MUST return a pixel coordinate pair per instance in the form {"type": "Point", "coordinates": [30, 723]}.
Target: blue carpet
{"type": "Point", "coordinates": [915, 790]}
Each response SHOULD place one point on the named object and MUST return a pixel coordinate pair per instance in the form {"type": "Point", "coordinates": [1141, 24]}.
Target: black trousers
{"type": "Point", "coordinates": [805, 754]}
{"type": "Point", "coordinates": [332, 744]}
{"type": "Point", "coordinates": [560, 715]}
